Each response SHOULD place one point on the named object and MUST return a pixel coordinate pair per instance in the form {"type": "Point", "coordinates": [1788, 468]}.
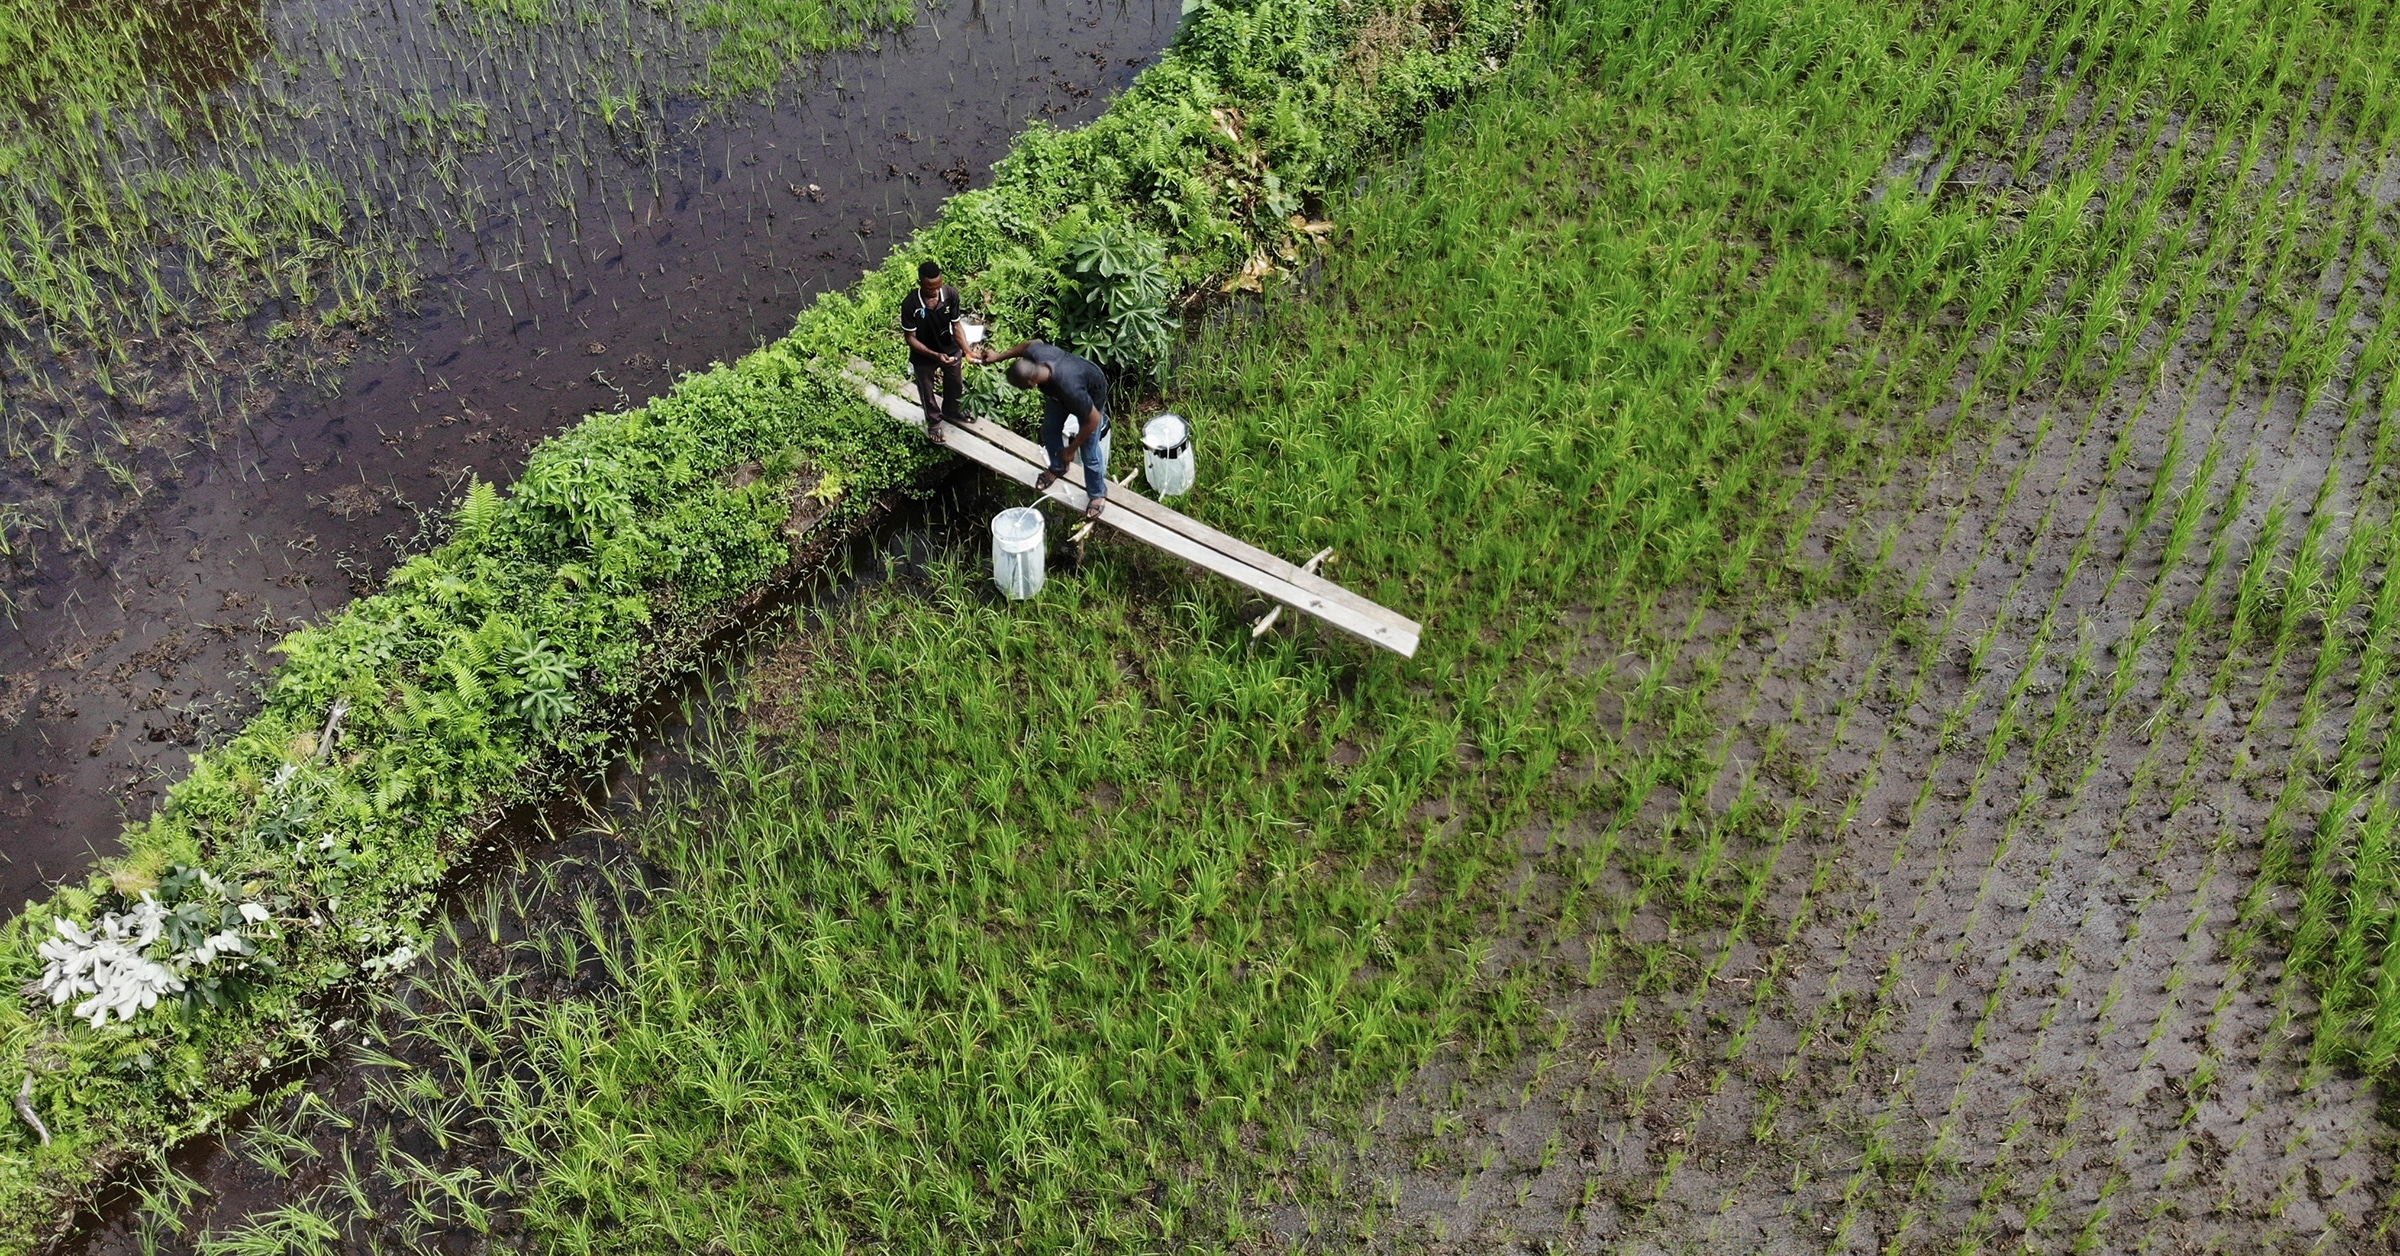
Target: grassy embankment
{"type": "Point", "coordinates": [1063, 925]}
{"type": "Point", "coordinates": [511, 656]}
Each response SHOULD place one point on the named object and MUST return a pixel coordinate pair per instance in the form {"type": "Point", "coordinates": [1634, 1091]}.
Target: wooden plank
{"type": "Point", "coordinates": [1299, 576]}
{"type": "Point", "coordinates": [1274, 613]}
{"type": "Point", "coordinates": [1021, 460]}
{"type": "Point", "coordinates": [1231, 546]}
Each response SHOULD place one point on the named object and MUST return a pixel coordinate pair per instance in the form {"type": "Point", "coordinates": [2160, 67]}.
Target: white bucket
{"type": "Point", "coordinates": [970, 332]}
{"type": "Point", "coordinates": [1167, 455]}
{"type": "Point", "coordinates": [1067, 430]}
{"type": "Point", "coordinates": [1017, 552]}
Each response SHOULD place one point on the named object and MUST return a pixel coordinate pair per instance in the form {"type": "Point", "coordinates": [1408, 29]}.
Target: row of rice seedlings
{"type": "Point", "coordinates": [1844, 712]}
{"type": "Point", "coordinates": [2122, 684]}
{"type": "Point", "coordinates": [1715, 828]}
{"type": "Point", "coordinates": [1738, 807]}
{"type": "Point", "coordinates": [2120, 452]}
{"type": "Point", "coordinates": [2070, 689]}
{"type": "Point", "coordinates": [2116, 457]}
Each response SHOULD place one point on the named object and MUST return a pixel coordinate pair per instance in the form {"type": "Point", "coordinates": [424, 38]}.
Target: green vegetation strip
{"type": "Point", "coordinates": [507, 660]}
{"type": "Point", "coordinates": [1068, 925]}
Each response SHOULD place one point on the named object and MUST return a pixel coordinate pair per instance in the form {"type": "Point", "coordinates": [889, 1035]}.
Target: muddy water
{"type": "Point", "coordinates": [118, 665]}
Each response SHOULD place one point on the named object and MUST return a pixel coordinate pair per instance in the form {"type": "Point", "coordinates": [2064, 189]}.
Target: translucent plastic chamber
{"type": "Point", "coordinates": [1167, 455]}
{"type": "Point", "coordinates": [1017, 552]}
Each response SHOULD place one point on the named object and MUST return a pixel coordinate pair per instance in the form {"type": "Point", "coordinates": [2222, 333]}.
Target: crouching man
{"type": "Point", "coordinates": [1070, 385]}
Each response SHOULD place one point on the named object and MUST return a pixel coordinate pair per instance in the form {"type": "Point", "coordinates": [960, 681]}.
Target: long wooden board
{"type": "Point", "coordinates": [1145, 520]}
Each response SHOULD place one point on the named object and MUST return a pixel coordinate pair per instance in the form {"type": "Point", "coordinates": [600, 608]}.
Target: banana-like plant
{"type": "Point", "coordinates": [1113, 300]}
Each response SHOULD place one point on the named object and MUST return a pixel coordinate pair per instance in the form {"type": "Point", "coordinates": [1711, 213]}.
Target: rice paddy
{"type": "Point", "coordinates": [1902, 509]}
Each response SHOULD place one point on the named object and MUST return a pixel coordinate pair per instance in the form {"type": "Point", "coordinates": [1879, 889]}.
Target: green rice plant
{"type": "Point", "coordinates": [499, 665]}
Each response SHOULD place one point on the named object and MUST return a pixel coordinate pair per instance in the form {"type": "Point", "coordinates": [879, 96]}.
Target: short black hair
{"type": "Point", "coordinates": [929, 270]}
{"type": "Point", "coordinates": [1025, 373]}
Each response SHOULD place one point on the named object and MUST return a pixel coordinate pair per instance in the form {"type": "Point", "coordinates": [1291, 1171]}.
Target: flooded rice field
{"type": "Point", "coordinates": [427, 237]}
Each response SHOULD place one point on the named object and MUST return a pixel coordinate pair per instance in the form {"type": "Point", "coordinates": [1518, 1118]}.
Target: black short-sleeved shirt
{"type": "Point", "coordinates": [1074, 384]}
{"type": "Point", "coordinates": [935, 322]}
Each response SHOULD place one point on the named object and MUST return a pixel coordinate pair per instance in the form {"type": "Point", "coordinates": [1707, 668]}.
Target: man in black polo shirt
{"type": "Point", "coordinates": [1070, 385]}
{"type": "Point", "coordinates": [929, 322]}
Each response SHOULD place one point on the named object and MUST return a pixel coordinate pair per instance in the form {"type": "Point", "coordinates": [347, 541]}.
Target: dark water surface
{"type": "Point", "coordinates": [119, 664]}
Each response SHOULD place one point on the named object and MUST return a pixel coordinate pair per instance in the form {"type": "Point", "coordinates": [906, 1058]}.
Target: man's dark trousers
{"type": "Point", "coordinates": [951, 385]}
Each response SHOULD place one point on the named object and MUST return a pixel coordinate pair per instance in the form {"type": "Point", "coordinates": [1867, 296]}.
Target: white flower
{"type": "Point", "coordinates": [382, 965]}
{"type": "Point", "coordinates": [228, 942]}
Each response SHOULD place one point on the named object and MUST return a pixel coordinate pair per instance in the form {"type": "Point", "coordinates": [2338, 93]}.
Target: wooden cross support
{"type": "Point", "coordinates": [1145, 520]}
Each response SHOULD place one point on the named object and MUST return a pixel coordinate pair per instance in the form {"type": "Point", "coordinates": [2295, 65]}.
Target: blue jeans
{"type": "Point", "coordinates": [1094, 456]}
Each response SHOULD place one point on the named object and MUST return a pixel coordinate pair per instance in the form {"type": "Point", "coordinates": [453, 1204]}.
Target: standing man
{"type": "Point", "coordinates": [1070, 385]}
{"type": "Point", "coordinates": [929, 322]}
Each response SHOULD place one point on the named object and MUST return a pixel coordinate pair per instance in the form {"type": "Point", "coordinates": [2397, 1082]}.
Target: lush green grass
{"type": "Point", "coordinates": [513, 655]}
{"type": "Point", "coordinates": [1057, 925]}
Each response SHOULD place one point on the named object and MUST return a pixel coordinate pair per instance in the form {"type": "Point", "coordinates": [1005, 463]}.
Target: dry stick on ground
{"type": "Point", "coordinates": [1274, 613]}
{"type": "Point", "coordinates": [333, 729]}
{"type": "Point", "coordinates": [25, 1109]}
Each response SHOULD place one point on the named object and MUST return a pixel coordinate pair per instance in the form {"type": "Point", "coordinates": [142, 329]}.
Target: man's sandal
{"type": "Point", "coordinates": [1093, 511]}
{"type": "Point", "coordinates": [933, 432]}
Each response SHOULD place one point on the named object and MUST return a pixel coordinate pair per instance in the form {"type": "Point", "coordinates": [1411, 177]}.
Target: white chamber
{"type": "Point", "coordinates": [1017, 552]}
{"type": "Point", "coordinates": [1167, 455]}
{"type": "Point", "coordinates": [1073, 425]}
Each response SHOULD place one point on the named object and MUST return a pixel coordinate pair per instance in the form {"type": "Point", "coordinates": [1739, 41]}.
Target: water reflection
{"type": "Point", "coordinates": [198, 46]}
{"type": "Point", "coordinates": [194, 47]}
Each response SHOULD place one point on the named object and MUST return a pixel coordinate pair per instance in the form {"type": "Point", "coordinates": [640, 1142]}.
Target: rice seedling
{"type": "Point", "coordinates": [1870, 751]}
{"type": "Point", "coordinates": [492, 687]}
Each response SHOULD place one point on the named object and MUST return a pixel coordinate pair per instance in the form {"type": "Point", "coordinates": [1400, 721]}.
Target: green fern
{"type": "Point", "coordinates": [480, 512]}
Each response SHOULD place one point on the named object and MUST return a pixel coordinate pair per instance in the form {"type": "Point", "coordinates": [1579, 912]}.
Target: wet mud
{"type": "Point", "coordinates": [119, 663]}
{"type": "Point", "coordinates": [2002, 990]}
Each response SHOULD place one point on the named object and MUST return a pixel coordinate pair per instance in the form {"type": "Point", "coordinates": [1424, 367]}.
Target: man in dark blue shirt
{"type": "Point", "coordinates": [1070, 385]}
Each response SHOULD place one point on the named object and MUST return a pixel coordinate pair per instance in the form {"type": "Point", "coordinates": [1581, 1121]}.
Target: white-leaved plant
{"type": "Point", "coordinates": [128, 960]}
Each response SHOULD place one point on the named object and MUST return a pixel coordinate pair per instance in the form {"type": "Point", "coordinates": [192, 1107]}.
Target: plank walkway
{"type": "Point", "coordinates": [1147, 521]}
